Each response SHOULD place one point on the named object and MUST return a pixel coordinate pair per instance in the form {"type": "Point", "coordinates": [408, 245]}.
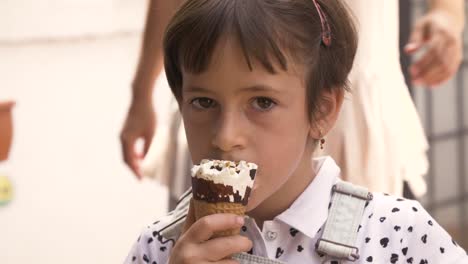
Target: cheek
{"type": "Point", "coordinates": [278, 158]}
{"type": "Point", "coordinates": [198, 140]}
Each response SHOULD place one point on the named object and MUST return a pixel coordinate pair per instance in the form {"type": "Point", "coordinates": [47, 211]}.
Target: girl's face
{"type": "Point", "coordinates": [233, 113]}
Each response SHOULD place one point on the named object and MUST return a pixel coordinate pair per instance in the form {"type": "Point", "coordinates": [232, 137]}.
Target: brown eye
{"type": "Point", "coordinates": [263, 103]}
{"type": "Point", "coordinates": [203, 103]}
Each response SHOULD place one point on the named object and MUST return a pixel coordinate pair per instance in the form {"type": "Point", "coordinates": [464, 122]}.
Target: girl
{"type": "Point", "coordinates": [264, 81]}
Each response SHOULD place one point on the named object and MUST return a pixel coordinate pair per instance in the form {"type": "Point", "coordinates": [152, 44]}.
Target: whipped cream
{"type": "Point", "coordinates": [239, 175]}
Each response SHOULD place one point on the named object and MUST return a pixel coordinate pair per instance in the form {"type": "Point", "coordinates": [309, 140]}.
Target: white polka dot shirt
{"type": "Point", "coordinates": [392, 230]}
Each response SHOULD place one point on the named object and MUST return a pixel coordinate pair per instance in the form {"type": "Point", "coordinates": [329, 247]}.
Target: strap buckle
{"type": "Point", "coordinates": [352, 257]}
{"type": "Point", "coordinates": [369, 196]}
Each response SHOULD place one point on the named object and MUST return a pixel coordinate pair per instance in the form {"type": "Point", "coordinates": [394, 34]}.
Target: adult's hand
{"type": "Point", "coordinates": [140, 123]}
{"type": "Point", "coordinates": [441, 37]}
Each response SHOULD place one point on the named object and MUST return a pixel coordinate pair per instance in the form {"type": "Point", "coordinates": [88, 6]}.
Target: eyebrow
{"type": "Point", "coordinates": [253, 88]}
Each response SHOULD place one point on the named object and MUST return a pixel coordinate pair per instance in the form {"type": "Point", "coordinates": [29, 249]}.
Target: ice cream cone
{"type": "Point", "coordinates": [222, 187]}
{"type": "Point", "coordinates": [203, 208]}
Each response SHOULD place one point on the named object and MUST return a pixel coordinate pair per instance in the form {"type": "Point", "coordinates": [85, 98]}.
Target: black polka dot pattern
{"type": "Point", "coordinates": [394, 258]}
{"type": "Point", "coordinates": [293, 232]}
{"type": "Point", "coordinates": [299, 248]}
{"type": "Point", "coordinates": [424, 239]}
{"type": "Point", "coordinates": [384, 242]}
{"type": "Point", "coordinates": [279, 252]}
{"type": "Point", "coordinates": [413, 236]}
{"type": "Point", "coordinates": [404, 251]}
{"type": "Point", "coordinates": [392, 230]}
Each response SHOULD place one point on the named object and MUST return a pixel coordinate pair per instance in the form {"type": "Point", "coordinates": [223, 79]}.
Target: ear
{"type": "Point", "coordinates": [329, 109]}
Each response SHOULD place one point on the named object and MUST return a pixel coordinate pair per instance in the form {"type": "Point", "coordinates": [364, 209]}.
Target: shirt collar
{"type": "Point", "coordinates": [310, 210]}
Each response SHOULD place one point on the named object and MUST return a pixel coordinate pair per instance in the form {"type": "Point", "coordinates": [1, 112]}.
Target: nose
{"type": "Point", "coordinates": [229, 132]}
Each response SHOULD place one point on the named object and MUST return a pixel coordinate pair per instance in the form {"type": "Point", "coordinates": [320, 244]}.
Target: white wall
{"type": "Point", "coordinates": [24, 19]}
{"type": "Point", "coordinates": [74, 201]}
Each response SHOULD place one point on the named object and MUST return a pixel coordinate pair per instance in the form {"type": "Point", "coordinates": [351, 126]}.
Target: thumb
{"type": "Point", "coordinates": [417, 38]}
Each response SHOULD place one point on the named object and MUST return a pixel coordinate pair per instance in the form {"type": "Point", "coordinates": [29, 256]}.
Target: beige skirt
{"type": "Point", "coordinates": [378, 140]}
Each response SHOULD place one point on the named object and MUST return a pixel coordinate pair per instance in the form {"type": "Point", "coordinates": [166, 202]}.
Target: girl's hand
{"type": "Point", "coordinates": [439, 33]}
{"type": "Point", "coordinates": [195, 246]}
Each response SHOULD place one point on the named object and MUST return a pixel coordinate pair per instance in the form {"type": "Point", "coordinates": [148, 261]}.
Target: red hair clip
{"type": "Point", "coordinates": [326, 32]}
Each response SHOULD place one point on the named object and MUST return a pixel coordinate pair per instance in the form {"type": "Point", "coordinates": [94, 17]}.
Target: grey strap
{"type": "Point", "coordinates": [245, 258]}
{"type": "Point", "coordinates": [345, 215]}
{"type": "Point", "coordinates": [178, 215]}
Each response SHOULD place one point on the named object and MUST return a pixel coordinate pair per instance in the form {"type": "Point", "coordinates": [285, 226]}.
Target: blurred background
{"type": "Point", "coordinates": [68, 64]}
{"type": "Point", "coordinates": [444, 114]}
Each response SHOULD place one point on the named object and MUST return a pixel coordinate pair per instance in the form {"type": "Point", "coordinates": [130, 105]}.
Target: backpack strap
{"type": "Point", "coordinates": [245, 258]}
{"type": "Point", "coordinates": [177, 217]}
{"type": "Point", "coordinates": [345, 215]}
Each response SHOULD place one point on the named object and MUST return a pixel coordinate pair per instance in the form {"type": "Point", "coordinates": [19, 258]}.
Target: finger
{"type": "Point", "coordinates": [135, 166]}
{"type": "Point", "coordinates": [129, 154]}
{"type": "Point", "coordinates": [6, 105]}
{"type": "Point", "coordinates": [441, 74]}
{"type": "Point", "coordinates": [412, 47]}
{"type": "Point", "coordinates": [450, 60]}
{"type": "Point", "coordinates": [441, 68]}
{"type": "Point", "coordinates": [423, 65]}
{"type": "Point", "coordinates": [434, 77]}
{"type": "Point", "coordinates": [436, 74]}
{"type": "Point", "coordinates": [224, 247]}
{"type": "Point", "coordinates": [204, 228]}
{"type": "Point", "coordinates": [417, 38]}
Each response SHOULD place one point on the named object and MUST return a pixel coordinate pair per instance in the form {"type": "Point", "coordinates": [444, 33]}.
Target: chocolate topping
{"type": "Point", "coordinates": [252, 173]}
{"type": "Point", "coordinates": [211, 192]}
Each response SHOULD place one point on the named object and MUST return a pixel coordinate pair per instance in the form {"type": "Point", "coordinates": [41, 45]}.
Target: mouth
{"type": "Point", "coordinates": [233, 159]}
{"type": "Point", "coordinates": [228, 157]}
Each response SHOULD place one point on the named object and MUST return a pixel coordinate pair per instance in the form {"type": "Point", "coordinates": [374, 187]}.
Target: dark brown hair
{"type": "Point", "coordinates": [270, 31]}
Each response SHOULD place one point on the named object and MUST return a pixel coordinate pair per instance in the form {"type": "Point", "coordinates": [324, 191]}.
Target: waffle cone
{"type": "Point", "coordinates": [203, 208]}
